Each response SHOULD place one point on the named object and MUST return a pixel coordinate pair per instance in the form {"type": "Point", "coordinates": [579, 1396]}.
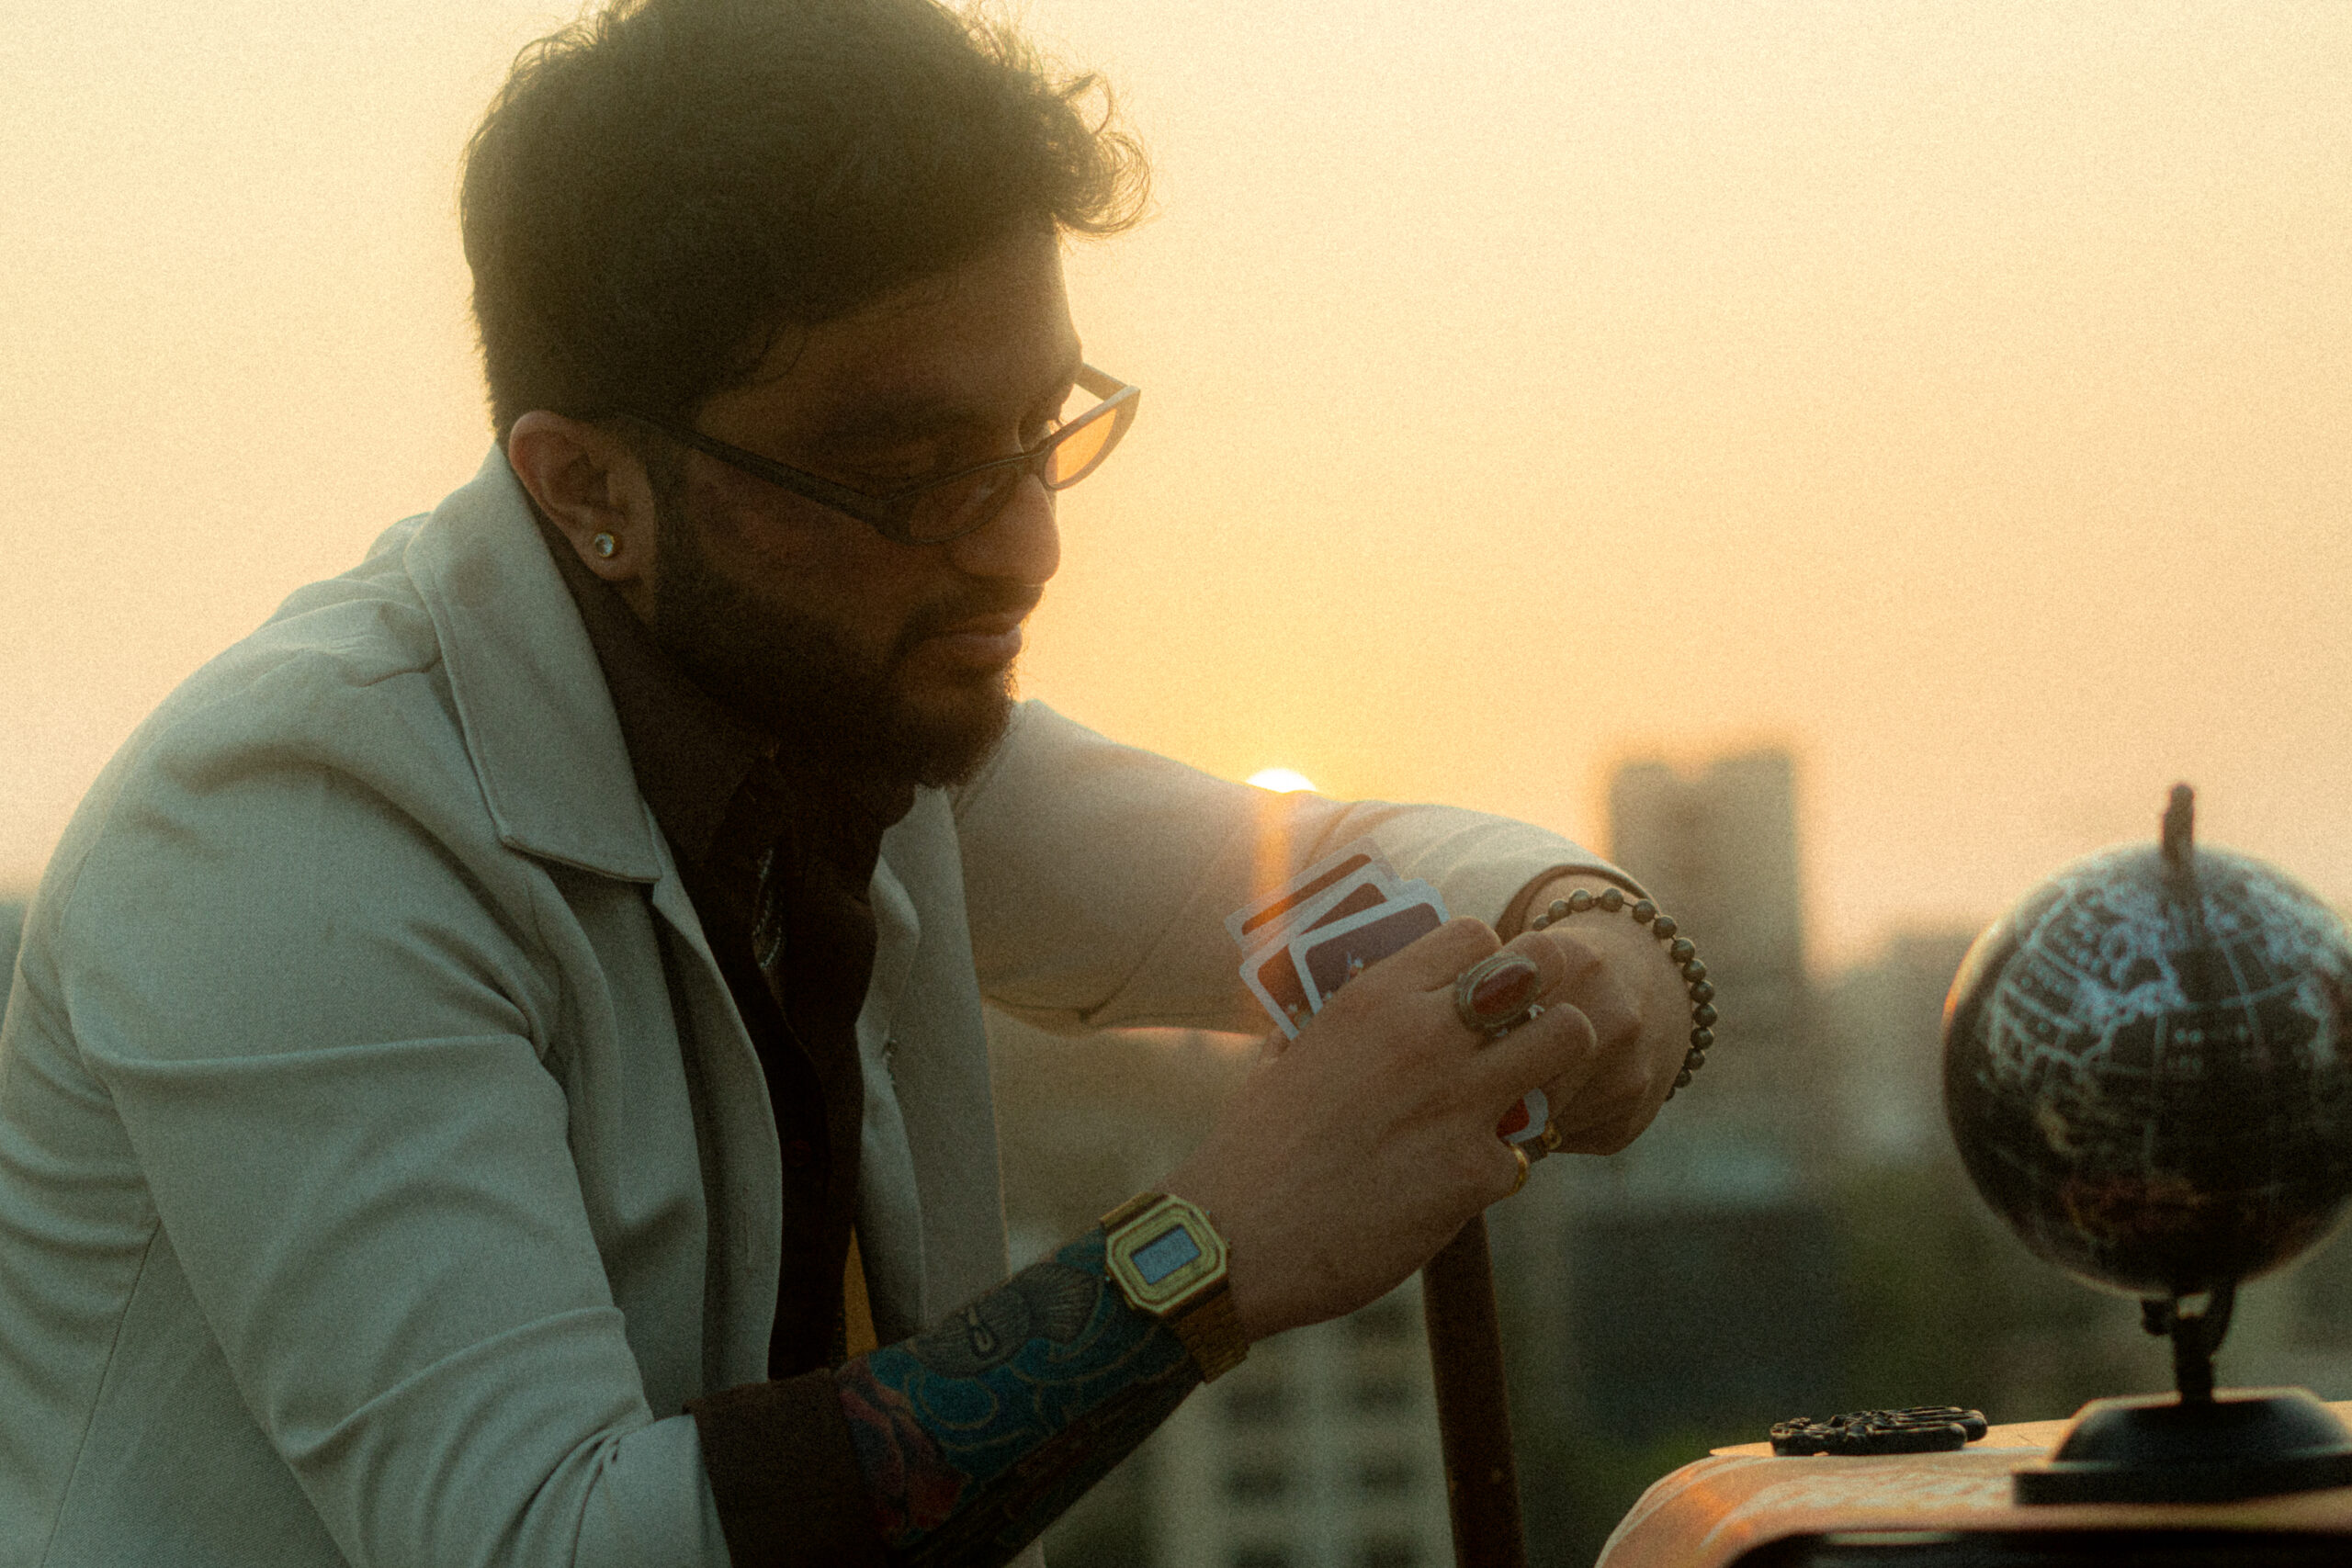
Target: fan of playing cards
{"type": "Point", "coordinates": [1330, 923]}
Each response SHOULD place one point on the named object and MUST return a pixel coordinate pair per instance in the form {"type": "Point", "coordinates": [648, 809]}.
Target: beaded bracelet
{"type": "Point", "coordinates": [1679, 948]}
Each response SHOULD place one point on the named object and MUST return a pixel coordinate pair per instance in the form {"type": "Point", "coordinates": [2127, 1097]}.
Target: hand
{"type": "Point", "coordinates": [1348, 1158]}
{"type": "Point", "coordinates": [1619, 976]}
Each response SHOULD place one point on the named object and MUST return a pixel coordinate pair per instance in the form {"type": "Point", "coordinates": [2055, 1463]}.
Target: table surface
{"type": "Point", "coordinates": [1708, 1514]}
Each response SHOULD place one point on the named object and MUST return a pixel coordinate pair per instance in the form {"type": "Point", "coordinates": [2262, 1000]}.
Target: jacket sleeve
{"type": "Point", "coordinates": [329, 1041]}
{"type": "Point", "coordinates": [1099, 875]}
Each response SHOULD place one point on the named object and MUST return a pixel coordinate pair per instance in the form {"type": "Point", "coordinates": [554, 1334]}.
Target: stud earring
{"type": "Point", "coordinates": [604, 544]}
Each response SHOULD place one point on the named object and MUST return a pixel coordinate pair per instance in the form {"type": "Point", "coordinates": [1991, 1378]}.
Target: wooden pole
{"type": "Point", "coordinates": [1473, 1409]}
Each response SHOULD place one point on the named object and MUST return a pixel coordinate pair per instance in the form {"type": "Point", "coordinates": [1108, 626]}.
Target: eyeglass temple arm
{"type": "Point", "coordinates": [1099, 384]}
{"type": "Point", "coordinates": [815, 487]}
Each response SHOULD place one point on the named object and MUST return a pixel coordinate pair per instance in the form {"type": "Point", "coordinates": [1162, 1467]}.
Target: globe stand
{"type": "Point", "coordinates": [2197, 1447]}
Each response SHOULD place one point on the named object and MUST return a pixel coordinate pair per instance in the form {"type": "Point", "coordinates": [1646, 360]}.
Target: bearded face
{"type": "Point", "coordinates": [854, 649]}
{"type": "Point", "coordinates": [863, 698]}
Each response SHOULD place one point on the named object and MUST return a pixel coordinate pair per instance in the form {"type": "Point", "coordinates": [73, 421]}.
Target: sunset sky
{"type": "Point", "coordinates": [1956, 394]}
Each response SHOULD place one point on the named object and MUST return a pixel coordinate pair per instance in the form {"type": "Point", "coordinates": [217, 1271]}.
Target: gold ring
{"type": "Point", "coordinates": [1521, 1180]}
{"type": "Point", "coordinates": [1551, 1139]}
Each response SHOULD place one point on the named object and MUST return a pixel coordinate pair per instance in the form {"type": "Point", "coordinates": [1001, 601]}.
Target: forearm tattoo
{"type": "Point", "coordinates": [976, 1434]}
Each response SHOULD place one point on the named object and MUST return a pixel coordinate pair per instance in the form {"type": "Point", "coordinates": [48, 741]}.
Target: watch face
{"type": "Point", "coordinates": [1166, 1257]}
{"type": "Point", "coordinates": [1163, 1255]}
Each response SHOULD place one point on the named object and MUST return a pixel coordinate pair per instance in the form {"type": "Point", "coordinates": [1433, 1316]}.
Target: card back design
{"type": "Point", "coordinates": [1330, 957]}
{"type": "Point", "coordinates": [1251, 923]}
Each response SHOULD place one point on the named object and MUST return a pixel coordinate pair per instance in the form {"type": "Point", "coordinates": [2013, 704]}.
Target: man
{"type": "Point", "coordinates": [497, 1075]}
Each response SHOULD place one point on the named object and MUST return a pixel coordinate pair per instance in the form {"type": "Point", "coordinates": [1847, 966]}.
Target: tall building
{"type": "Point", "coordinates": [1882, 1032]}
{"type": "Point", "coordinates": [1718, 851]}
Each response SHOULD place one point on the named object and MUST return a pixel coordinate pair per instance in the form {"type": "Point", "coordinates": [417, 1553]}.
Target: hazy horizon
{"type": "Point", "coordinates": [1956, 394]}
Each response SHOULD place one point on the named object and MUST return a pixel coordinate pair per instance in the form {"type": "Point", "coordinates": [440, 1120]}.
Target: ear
{"type": "Point", "coordinates": [593, 487]}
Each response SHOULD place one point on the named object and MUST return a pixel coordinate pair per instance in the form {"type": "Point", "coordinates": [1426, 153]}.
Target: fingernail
{"type": "Point", "coordinates": [1505, 992]}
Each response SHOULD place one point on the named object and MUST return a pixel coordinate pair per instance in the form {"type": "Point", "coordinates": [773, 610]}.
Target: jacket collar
{"type": "Point", "coordinates": [538, 721]}
{"type": "Point", "coordinates": [689, 757]}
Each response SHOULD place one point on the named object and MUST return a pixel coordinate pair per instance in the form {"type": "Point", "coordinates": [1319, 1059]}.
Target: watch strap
{"type": "Point", "coordinates": [1211, 1330]}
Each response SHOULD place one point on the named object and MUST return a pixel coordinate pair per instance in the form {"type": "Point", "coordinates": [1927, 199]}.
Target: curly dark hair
{"type": "Point", "coordinates": [659, 189]}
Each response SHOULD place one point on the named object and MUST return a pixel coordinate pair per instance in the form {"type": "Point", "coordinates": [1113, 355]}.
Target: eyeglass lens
{"type": "Point", "coordinates": [954, 509]}
{"type": "Point", "coordinates": [1075, 455]}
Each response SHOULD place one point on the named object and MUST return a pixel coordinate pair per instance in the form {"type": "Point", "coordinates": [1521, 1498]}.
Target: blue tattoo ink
{"type": "Point", "coordinates": [977, 1433]}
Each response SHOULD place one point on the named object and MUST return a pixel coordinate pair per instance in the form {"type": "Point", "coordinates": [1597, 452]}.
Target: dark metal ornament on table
{"type": "Point", "coordinates": [2146, 1071]}
{"type": "Point", "coordinates": [1921, 1429]}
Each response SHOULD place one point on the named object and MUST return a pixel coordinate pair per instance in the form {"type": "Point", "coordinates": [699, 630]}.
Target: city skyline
{"type": "Point", "coordinates": [1954, 394]}
{"type": "Point", "coordinates": [1832, 951]}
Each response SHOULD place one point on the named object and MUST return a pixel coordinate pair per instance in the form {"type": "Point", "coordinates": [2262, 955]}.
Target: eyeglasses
{"type": "Point", "coordinates": [954, 505]}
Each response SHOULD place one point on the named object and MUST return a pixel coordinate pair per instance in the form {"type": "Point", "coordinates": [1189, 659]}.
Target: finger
{"type": "Point", "coordinates": [1606, 1137]}
{"type": "Point", "coordinates": [1498, 987]}
{"type": "Point", "coordinates": [1498, 992]}
{"type": "Point", "coordinates": [1510, 1167]}
{"type": "Point", "coordinates": [1614, 1091]}
{"type": "Point", "coordinates": [1431, 963]}
{"type": "Point", "coordinates": [1632, 1099]}
{"type": "Point", "coordinates": [1592, 984]}
{"type": "Point", "coordinates": [1556, 1049]}
{"type": "Point", "coordinates": [1606, 1109]}
{"type": "Point", "coordinates": [1583, 1119]}
{"type": "Point", "coordinates": [1610, 1112]}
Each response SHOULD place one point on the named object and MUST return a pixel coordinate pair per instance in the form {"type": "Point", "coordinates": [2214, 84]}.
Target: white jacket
{"type": "Point", "coordinates": [362, 1196]}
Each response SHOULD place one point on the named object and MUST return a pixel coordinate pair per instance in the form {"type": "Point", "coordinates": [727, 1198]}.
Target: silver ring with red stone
{"type": "Point", "coordinates": [1497, 994]}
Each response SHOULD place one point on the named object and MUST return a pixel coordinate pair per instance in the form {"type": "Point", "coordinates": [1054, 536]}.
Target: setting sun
{"type": "Point", "coordinates": [1282, 781]}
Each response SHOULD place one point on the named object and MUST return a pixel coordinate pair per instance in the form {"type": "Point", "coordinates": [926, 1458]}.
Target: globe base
{"type": "Point", "coordinates": [2246, 1442]}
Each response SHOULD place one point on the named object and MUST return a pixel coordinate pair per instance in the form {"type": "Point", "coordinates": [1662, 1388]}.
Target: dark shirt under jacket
{"type": "Point", "coordinates": [778, 859]}
{"type": "Point", "coordinates": [778, 862]}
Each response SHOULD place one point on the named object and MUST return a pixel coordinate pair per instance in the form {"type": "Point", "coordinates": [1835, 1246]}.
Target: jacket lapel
{"type": "Point", "coordinates": [742, 1164]}
{"type": "Point", "coordinates": [547, 746]}
{"type": "Point", "coordinates": [943, 1065]}
{"type": "Point", "coordinates": [890, 1216]}
{"type": "Point", "coordinates": [537, 717]}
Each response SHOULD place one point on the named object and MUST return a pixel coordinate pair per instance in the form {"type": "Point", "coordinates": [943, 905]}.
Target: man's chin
{"type": "Point", "coordinates": [942, 735]}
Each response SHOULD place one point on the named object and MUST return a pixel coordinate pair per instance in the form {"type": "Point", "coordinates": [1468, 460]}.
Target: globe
{"type": "Point", "coordinates": [2145, 1068]}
